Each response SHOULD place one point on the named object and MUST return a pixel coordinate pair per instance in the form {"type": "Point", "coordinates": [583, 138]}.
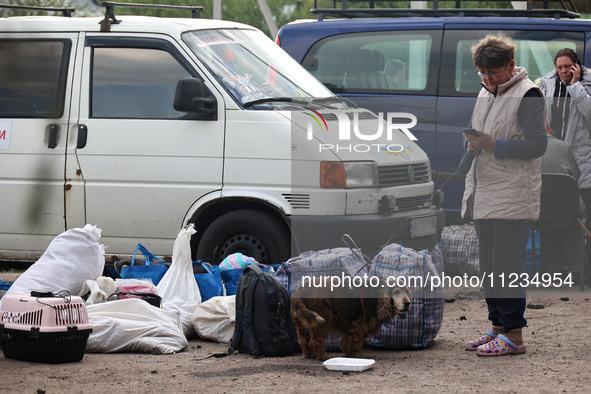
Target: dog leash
{"type": "Point", "coordinates": [347, 240]}
{"type": "Point", "coordinates": [584, 228]}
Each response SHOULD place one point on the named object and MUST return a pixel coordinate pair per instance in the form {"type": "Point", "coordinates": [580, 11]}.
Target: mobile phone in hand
{"type": "Point", "coordinates": [471, 131]}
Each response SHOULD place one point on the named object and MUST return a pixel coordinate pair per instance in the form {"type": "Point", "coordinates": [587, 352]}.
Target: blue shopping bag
{"type": "Point", "coordinates": [232, 267]}
{"type": "Point", "coordinates": [4, 285]}
{"type": "Point", "coordinates": [209, 282]}
{"type": "Point", "coordinates": [151, 270]}
{"type": "Point", "coordinates": [231, 277]}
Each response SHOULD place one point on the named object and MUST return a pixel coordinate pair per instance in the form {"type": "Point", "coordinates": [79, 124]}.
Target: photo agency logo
{"type": "Point", "coordinates": [316, 118]}
{"type": "Point", "coordinates": [355, 135]}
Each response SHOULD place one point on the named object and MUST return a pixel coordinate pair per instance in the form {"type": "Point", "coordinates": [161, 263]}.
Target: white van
{"type": "Point", "coordinates": [142, 125]}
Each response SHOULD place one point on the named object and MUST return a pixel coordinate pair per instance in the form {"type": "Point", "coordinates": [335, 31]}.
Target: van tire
{"type": "Point", "coordinates": [253, 233]}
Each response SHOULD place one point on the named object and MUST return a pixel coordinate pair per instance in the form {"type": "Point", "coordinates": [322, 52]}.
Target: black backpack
{"type": "Point", "coordinates": [263, 323]}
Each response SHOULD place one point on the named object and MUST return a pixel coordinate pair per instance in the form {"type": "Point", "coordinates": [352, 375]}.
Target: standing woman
{"type": "Point", "coordinates": [568, 100]}
{"type": "Point", "coordinates": [503, 187]}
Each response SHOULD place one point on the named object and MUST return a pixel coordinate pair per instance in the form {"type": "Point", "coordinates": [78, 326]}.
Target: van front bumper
{"type": "Point", "coordinates": [418, 229]}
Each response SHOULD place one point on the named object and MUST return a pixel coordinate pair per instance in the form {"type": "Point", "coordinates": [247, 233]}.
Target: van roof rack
{"type": "Point", "coordinates": [110, 11]}
{"type": "Point", "coordinates": [435, 11]}
{"type": "Point", "coordinates": [65, 11]}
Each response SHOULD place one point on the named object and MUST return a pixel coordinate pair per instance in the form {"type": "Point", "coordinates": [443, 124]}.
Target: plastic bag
{"type": "Point", "coordinates": [98, 290]}
{"type": "Point", "coordinates": [151, 270]}
{"type": "Point", "coordinates": [459, 245]}
{"type": "Point", "coordinates": [324, 263]}
{"type": "Point", "coordinates": [135, 285]}
{"type": "Point", "coordinates": [71, 258]}
{"type": "Point", "coordinates": [232, 266]}
{"type": "Point", "coordinates": [327, 262]}
{"type": "Point", "coordinates": [209, 282]}
{"type": "Point", "coordinates": [231, 269]}
{"type": "Point", "coordinates": [425, 314]}
{"type": "Point", "coordinates": [133, 325]}
{"type": "Point", "coordinates": [178, 288]}
{"type": "Point", "coordinates": [214, 319]}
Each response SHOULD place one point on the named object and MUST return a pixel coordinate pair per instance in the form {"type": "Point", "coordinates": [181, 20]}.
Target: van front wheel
{"type": "Point", "coordinates": [253, 233]}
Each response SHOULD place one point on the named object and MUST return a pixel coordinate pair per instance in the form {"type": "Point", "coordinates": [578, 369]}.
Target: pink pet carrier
{"type": "Point", "coordinates": [43, 327]}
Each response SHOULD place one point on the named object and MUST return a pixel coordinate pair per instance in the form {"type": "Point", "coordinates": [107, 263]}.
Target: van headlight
{"type": "Point", "coordinates": [344, 175]}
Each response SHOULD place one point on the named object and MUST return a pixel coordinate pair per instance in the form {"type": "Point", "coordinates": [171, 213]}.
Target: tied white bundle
{"type": "Point", "coordinates": [215, 318]}
{"type": "Point", "coordinates": [70, 259]}
{"type": "Point", "coordinates": [133, 325]}
{"type": "Point", "coordinates": [178, 288]}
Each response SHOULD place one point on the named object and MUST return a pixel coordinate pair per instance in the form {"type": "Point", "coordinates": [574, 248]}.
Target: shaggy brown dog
{"type": "Point", "coordinates": [354, 314]}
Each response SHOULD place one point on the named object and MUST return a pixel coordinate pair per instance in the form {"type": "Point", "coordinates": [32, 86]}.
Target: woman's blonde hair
{"type": "Point", "coordinates": [493, 51]}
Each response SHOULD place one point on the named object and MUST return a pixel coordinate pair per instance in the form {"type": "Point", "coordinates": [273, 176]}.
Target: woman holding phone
{"type": "Point", "coordinates": [568, 101]}
{"type": "Point", "coordinates": [509, 119]}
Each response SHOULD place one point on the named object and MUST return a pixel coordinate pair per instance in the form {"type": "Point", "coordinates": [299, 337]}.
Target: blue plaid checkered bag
{"type": "Point", "coordinates": [425, 315]}
{"type": "Point", "coordinates": [459, 245]}
{"type": "Point", "coordinates": [325, 263]}
{"type": "Point", "coordinates": [328, 262]}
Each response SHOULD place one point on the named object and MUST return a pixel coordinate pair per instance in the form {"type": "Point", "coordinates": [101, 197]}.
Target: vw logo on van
{"type": "Point", "coordinates": [411, 174]}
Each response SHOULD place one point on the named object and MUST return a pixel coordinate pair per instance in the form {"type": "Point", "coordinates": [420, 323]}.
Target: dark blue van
{"type": "Point", "coordinates": [420, 62]}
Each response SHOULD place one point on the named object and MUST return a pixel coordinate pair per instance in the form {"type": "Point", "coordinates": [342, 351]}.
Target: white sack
{"type": "Point", "coordinates": [133, 325]}
{"type": "Point", "coordinates": [215, 319]}
{"type": "Point", "coordinates": [99, 289]}
{"type": "Point", "coordinates": [178, 288]}
{"type": "Point", "coordinates": [71, 258]}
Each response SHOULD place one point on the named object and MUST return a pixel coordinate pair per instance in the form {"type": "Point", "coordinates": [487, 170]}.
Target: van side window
{"type": "Point", "coordinates": [375, 62]}
{"type": "Point", "coordinates": [33, 78]}
{"type": "Point", "coordinates": [136, 83]}
{"type": "Point", "coordinates": [535, 52]}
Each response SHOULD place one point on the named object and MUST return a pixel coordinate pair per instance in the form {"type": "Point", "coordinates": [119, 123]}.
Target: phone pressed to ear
{"type": "Point", "coordinates": [580, 65]}
{"type": "Point", "coordinates": [471, 131]}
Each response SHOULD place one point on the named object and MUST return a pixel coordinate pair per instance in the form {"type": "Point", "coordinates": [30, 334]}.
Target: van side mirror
{"type": "Point", "coordinates": [190, 97]}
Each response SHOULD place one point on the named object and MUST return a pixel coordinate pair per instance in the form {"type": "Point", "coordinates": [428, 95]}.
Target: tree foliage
{"type": "Point", "coordinates": [583, 6]}
{"type": "Point", "coordinates": [5, 12]}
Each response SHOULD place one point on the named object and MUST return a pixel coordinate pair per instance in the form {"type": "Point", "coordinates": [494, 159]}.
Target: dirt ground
{"type": "Point", "coordinates": [557, 360]}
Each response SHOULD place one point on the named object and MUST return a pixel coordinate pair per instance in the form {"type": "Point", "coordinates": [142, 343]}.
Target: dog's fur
{"type": "Point", "coordinates": [355, 316]}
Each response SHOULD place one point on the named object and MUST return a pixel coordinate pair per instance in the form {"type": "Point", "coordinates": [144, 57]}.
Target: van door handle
{"type": "Point", "coordinates": [82, 136]}
{"type": "Point", "coordinates": [53, 133]}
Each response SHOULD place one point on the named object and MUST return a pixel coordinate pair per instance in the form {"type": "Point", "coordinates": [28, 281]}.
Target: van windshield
{"type": "Point", "coordinates": [252, 68]}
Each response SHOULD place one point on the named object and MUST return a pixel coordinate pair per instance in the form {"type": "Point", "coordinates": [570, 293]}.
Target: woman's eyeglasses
{"type": "Point", "coordinates": [492, 74]}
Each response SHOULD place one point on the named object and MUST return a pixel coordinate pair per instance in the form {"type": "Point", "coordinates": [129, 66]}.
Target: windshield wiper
{"type": "Point", "coordinates": [268, 100]}
{"type": "Point", "coordinates": [295, 100]}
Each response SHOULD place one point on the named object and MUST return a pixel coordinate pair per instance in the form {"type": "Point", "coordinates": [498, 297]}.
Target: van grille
{"type": "Point", "coordinates": [408, 203]}
{"type": "Point", "coordinates": [298, 201]}
{"type": "Point", "coordinates": [302, 201]}
{"type": "Point", "coordinates": [406, 174]}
